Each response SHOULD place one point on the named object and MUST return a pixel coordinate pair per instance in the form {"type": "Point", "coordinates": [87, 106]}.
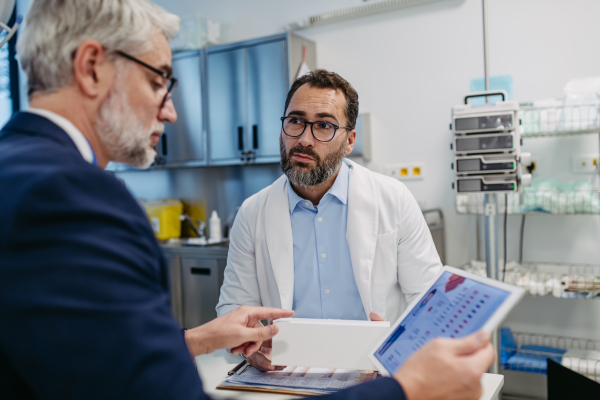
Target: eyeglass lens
{"type": "Point", "coordinates": [321, 130]}
{"type": "Point", "coordinates": [172, 85]}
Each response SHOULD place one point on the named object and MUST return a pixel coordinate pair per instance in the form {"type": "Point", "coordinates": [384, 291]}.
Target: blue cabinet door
{"type": "Point", "coordinates": [184, 142]}
{"type": "Point", "coordinates": [267, 89]}
{"type": "Point", "coordinates": [227, 106]}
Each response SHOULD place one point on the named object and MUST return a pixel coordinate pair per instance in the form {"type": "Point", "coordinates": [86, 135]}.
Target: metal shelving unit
{"type": "Point", "coordinates": [532, 350]}
{"type": "Point", "coordinates": [526, 366]}
{"type": "Point", "coordinates": [543, 118]}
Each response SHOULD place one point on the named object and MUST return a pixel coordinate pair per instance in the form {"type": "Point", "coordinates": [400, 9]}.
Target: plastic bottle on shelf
{"type": "Point", "coordinates": [214, 228]}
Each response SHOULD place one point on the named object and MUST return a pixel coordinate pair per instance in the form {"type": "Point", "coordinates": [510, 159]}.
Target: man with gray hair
{"type": "Point", "coordinates": [84, 303]}
{"type": "Point", "coordinates": [84, 300]}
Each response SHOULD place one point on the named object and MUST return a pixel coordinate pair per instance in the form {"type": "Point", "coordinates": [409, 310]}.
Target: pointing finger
{"type": "Point", "coordinates": [269, 312]}
{"type": "Point", "coordinates": [260, 334]}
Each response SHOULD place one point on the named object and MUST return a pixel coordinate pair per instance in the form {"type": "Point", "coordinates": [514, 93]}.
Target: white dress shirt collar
{"type": "Point", "coordinates": [75, 134]}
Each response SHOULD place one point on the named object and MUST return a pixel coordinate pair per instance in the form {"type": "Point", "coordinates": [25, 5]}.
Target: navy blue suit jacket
{"type": "Point", "coordinates": [84, 304]}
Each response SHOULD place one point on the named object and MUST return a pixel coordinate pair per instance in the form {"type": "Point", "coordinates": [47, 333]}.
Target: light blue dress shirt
{"type": "Point", "coordinates": [324, 284]}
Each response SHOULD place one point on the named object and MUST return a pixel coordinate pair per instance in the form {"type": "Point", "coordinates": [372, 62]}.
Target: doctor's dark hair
{"type": "Point", "coordinates": [323, 79]}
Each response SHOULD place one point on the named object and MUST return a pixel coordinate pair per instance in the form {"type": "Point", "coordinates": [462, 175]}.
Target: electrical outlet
{"type": "Point", "coordinates": [406, 171]}
{"type": "Point", "coordinates": [585, 164]}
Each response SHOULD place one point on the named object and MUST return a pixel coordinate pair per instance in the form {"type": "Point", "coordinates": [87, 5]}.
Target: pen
{"type": "Point", "coordinates": [244, 369]}
{"type": "Point", "coordinates": [237, 368]}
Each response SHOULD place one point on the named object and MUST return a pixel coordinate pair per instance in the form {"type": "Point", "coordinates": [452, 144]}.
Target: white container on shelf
{"type": "Point", "coordinates": [214, 228]}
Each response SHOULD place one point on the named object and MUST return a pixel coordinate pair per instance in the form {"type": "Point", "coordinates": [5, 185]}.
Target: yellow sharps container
{"type": "Point", "coordinates": [163, 215]}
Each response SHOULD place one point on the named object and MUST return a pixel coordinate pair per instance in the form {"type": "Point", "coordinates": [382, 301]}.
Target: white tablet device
{"type": "Point", "coordinates": [457, 304]}
{"type": "Point", "coordinates": [326, 343]}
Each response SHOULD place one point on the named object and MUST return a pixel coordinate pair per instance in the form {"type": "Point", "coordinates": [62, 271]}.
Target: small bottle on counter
{"type": "Point", "coordinates": [214, 228]}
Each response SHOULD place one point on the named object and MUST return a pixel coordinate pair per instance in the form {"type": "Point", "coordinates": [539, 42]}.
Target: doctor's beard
{"type": "Point", "coordinates": [300, 174]}
{"type": "Point", "coordinates": [123, 133]}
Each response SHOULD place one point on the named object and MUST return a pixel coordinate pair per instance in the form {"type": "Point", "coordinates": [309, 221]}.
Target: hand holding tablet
{"type": "Point", "coordinates": [448, 369]}
{"type": "Point", "coordinates": [440, 347]}
{"type": "Point", "coordinates": [456, 305]}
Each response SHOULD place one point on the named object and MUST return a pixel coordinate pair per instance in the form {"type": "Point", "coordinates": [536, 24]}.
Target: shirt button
{"type": "Point", "coordinates": [323, 255]}
{"type": "Point", "coordinates": [320, 219]}
{"type": "Point", "coordinates": [306, 203]}
{"type": "Point", "coordinates": [326, 291]}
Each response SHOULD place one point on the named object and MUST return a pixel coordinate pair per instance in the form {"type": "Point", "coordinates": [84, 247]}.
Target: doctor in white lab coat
{"type": "Point", "coordinates": [391, 251]}
{"type": "Point", "coordinates": [393, 255]}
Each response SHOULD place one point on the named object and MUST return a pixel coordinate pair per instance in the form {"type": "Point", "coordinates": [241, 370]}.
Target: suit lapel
{"type": "Point", "coordinates": [280, 242]}
{"type": "Point", "coordinates": [363, 226]}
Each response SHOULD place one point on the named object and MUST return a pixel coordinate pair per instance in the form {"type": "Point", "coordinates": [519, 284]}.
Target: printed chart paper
{"type": "Point", "coordinates": [320, 379]}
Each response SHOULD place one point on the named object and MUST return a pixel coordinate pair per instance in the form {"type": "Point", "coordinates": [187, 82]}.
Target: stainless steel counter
{"type": "Point", "coordinates": [196, 276]}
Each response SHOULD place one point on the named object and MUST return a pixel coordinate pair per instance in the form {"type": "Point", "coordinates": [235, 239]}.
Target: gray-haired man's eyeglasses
{"type": "Point", "coordinates": [172, 80]}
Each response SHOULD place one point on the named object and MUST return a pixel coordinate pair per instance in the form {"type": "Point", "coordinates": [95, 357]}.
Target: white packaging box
{"type": "Point", "coordinates": [326, 343]}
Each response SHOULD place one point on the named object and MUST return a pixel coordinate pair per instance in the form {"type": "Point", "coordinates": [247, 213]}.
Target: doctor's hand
{"type": "Point", "coordinates": [261, 360]}
{"type": "Point", "coordinates": [239, 329]}
{"type": "Point", "coordinates": [375, 317]}
{"type": "Point", "coordinates": [448, 369]}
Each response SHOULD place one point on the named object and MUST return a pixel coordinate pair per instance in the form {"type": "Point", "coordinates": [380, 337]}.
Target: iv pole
{"type": "Point", "coordinates": [490, 200]}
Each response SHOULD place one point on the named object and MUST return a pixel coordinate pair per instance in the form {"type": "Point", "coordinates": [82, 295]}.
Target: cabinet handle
{"type": "Point", "coordinates": [200, 271]}
{"type": "Point", "coordinates": [163, 141]}
{"type": "Point", "coordinates": [255, 136]}
{"type": "Point", "coordinates": [240, 138]}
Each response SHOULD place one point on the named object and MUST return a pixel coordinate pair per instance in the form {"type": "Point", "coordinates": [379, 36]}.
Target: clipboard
{"type": "Point", "coordinates": [248, 388]}
{"type": "Point", "coordinates": [308, 381]}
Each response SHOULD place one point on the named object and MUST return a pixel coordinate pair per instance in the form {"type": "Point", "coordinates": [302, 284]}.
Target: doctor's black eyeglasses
{"type": "Point", "coordinates": [172, 80]}
{"type": "Point", "coordinates": [323, 131]}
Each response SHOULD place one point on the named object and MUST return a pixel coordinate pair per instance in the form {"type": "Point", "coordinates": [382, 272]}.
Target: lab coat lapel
{"type": "Point", "coordinates": [280, 242]}
{"type": "Point", "coordinates": [363, 225]}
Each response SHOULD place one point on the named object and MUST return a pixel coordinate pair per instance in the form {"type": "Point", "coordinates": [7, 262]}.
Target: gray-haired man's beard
{"type": "Point", "coordinates": [300, 174]}
{"type": "Point", "coordinates": [123, 133]}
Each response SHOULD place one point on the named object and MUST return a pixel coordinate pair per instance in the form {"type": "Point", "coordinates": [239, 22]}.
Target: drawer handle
{"type": "Point", "coordinates": [200, 271]}
{"type": "Point", "coordinates": [255, 136]}
{"type": "Point", "coordinates": [240, 138]}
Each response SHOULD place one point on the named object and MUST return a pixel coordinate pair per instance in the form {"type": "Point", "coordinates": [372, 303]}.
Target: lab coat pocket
{"type": "Point", "coordinates": [385, 264]}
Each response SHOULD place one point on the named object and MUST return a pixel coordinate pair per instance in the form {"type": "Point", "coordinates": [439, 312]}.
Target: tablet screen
{"type": "Point", "coordinates": [454, 307]}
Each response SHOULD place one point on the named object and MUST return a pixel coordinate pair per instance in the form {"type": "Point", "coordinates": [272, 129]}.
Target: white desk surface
{"type": "Point", "coordinates": [213, 370]}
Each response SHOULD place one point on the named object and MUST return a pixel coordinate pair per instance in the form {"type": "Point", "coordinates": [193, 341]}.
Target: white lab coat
{"type": "Point", "coordinates": [392, 252]}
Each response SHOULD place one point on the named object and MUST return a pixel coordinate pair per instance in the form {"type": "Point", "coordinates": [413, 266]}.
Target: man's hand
{"type": "Point", "coordinates": [448, 369]}
{"type": "Point", "coordinates": [239, 329]}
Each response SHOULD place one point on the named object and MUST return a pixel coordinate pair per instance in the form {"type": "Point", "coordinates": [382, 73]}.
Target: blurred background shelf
{"type": "Point", "coordinates": [561, 280]}
{"type": "Point", "coordinates": [544, 197]}
{"type": "Point", "coordinates": [560, 117]}
{"type": "Point", "coordinates": [528, 352]}
{"type": "Point", "coordinates": [524, 358]}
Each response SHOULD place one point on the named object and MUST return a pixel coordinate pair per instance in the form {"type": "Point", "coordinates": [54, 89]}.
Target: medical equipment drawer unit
{"type": "Point", "coordinates": [487, 146]}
